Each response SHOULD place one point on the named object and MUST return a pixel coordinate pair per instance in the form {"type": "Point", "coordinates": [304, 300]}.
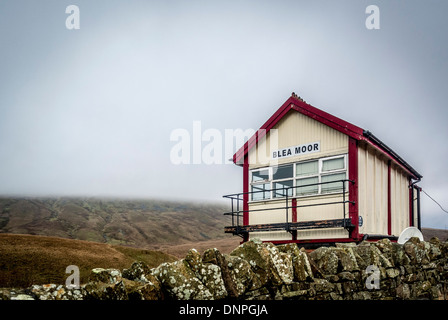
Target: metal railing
{"type": "Point", "coordinates": [237, 212]}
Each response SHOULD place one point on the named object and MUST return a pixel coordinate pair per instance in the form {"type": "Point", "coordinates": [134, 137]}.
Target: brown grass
{"type": "Point", "coordinates": [428, 233]}
{"type": "Point", "coordinates": [30, 259]}
{"type": "Point", "coordinates": [27, 259]}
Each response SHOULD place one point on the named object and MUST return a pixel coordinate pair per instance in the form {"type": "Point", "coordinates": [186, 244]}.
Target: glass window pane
{"type": "Point", "coordinates": [306, 189]}
{"type": "Point", "coordinates": [282, 172]}
{"type": "Point", "coordinates": [307, 168]}
{"type": "Point", "coordinates": [260, 175]}
{"type": "Point", "coordinates": [261, 191]}
{"type": "Point", "coordinates": [332, 187]}
{"type": "Point", "coordinates": [333, 164]}
{"type": "Point", "coordinates": [281, 188]}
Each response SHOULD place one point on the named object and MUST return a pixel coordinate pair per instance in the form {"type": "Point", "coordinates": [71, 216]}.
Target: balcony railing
{"type": "Point", "coordinates": [237, 210]}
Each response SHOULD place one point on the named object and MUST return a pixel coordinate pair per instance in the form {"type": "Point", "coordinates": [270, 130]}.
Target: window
{"type": "Point", "coordinates": [307, 168]}
{"type": "Point", "coordinates": [282, 188]}
{"type": "Point", "coordinates": [260, 187]}
{"type": "Point", "coordinates": [333, 169]}
{"type": "Point", "coordinates": [307, 186]}
{"type": "Point", "coordinates": [333, 164]}
{"type": "Point", "coordinates": [309, 178]}
{"type": "Point", "coordinates": [260, 175]}
{"type": "Point", "coordinates": [261, 191]}
{"type": "Point", "coordinates": [312, 177]}
{"type": "Point", "coordinates": [282, 172]}
{"type": "Point", "coordinates": [282, 177]}
{"type": "Point", "coordinates": [335, 186]}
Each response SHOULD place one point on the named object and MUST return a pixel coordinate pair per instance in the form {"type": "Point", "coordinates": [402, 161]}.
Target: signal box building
{"type": "Point", "coordinates": [312, 178]}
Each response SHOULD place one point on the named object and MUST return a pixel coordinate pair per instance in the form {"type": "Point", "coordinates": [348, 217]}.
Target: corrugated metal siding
{"type": "Point", "coordinates": [330, 233]}
{"type": "Point", "coordinates": [399, 200]}
{"type": "Point", "coordinates": [271, 235]}
{"type": "Point", "coordinates": [269, 216]}
{"type": "Point", "coordinates": [372, 190]}
{"type": "Point", "coordinates": [373, 193]}
{"type": "Point", "coordinates": [296, 129]}
{"type": "Point", "coordinates": [325, 212]}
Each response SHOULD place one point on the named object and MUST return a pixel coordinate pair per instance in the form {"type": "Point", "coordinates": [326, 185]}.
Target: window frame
{"type": "Point", "coordinates": [294, 178]}
{"type": "Point", "coordinates": [332, 172]}
{"type": "Point", "coordinates": [307, 176]}
{"type": "Point", "coordinates": [274, 181]}
{"type": "Point", "coordinates": [260, 182]}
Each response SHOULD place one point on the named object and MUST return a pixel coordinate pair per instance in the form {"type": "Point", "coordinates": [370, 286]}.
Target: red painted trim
{"type": "Point", "coordinates": [354, 133]}
{"type": "Point", "coordinates": [411, 203]}
{"type": "Point", "coordinates": [306, 109]}
{"type": "Point", "coordinates": [246, 194]}
{"type": "Point", "coordinates": [238, 156]}
{"type": "Point", "coordinates": [329, 120]}
{"type": "Point", "coordinates": [389, 199]}
{"type": "Point", "coordinates": [263, 131]}
{"type": "Point", "coordinates": [294, 216]}
{"type": "Point", "coordinates": [318, 115]}
{"type": "Point", "coordinates": [353, 187]}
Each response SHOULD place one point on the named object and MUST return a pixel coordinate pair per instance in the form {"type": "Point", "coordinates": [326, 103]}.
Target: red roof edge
{"type": "Point", "coordinates": [296, 103]}
{"type": "Point", "coordinates": [374, 141]}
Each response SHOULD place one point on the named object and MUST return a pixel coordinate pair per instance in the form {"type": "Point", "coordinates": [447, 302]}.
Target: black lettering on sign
{"type": "Point", "coordinates": [296, 150]}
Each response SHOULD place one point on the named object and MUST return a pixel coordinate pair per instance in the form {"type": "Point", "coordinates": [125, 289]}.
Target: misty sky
{"type": "Point", "coordinates": [90, 111]}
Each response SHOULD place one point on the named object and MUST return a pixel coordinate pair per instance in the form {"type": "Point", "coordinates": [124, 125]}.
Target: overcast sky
{"type": "Point", "coordinates": [90, 111]}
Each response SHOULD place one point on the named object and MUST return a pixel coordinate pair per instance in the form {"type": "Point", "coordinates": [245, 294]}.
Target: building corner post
{"type": "Point", "coordinates": [389, 198]}
{"type": "Point", "coordinates": [353, 186]}
{"type": "Point", "coordinates": [246, 195]}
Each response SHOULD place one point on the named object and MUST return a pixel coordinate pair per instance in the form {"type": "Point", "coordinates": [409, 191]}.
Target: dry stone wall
{"type": "Point", "coordinates": [262, 271]}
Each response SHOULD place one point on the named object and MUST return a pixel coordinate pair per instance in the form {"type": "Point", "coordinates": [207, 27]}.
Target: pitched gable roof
{"type": "Point", "coordinates": [296, 103]}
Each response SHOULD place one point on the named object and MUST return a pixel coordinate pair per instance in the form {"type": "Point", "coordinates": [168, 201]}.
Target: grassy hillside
{"type": "Point", "coordinates": [27, 259]}
{"type": "Point", "coordinates": [138, 223]}
{"type": "Point", "coordinates": [428, 233]}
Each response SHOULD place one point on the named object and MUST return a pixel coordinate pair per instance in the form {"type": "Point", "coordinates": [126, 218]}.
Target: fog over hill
{"type": "Point", "coordinates": [139, 223]}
